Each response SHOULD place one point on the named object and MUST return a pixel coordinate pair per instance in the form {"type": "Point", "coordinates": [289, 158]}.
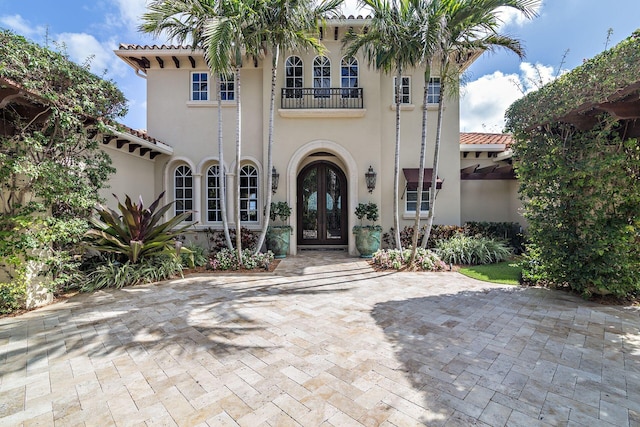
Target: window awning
{"type": "Point", "coordinates": [411, 175]}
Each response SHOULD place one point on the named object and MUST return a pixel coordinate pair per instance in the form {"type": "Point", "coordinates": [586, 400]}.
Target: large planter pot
{"type": "Point", "coordinates": [367, 240]}
{"type": "Point", "coordinates": [278, 238]}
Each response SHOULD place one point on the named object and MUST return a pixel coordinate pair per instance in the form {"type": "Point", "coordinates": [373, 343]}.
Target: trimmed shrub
{"type": "Point", "coordinates": [217, 241]}
{"type": "Point", "coordinates": [226, 259]}
{"type": "Point", "coordinates": [394, 259]}
{"type": "Point", "coordinates": [462, 249]}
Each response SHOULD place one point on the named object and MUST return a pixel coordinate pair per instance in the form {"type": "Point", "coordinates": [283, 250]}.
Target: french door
{"type": "Point", "coordinates": [321, 205]}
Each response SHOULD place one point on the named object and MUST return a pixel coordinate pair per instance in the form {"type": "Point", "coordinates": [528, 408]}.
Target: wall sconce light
{"type": "Point", "coordinates": [370, 176]}
{"type": "Point", "coordinates": [275, 177]}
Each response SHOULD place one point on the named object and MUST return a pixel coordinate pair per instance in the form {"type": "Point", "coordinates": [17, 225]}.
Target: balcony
{"type": "Point", "coordinates": [322, 102]}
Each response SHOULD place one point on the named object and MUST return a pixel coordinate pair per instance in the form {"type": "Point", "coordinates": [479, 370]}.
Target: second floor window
{"type": "Point", "coordinates": [248, 194]}
{"type": "Point", "coordinates": [349, 77]}
{"type": "Point", "coordinates": [183, 190]}
{"type": "Point", "coordinates": [405, 90]}
{"type": "Point", "coordinates": [321, 76]}
{"type": "Point", "coordinates": [227, 87]}
{"type": "Point", "coordinates": [293, 77]}
{"type": "Point", "coordinates": [199, 86]}
{"type": "Point", "coordinates": [433, 91]}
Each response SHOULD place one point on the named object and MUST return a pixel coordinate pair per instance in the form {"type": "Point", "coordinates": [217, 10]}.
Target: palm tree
{"type": "Point", "coordinates": [184, 21]}
{"type": "Point", "coordinates": [287, 25]}
{"type": "Point", "coordinates": [429, 14]}
{"type": "Point", "coordinates": [390, 45]}
{"type": "Point", "coordinates": [226, 32]}
{"type": "Point", "coordinates": [469, 27]}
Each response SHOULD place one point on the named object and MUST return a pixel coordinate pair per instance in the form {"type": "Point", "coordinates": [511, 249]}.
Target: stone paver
{"type": "Point", "coordinates": [324, 341]}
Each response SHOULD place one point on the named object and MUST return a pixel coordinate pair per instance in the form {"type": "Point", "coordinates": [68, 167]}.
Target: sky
{"type": "Point", "coordinates": [561, 37]}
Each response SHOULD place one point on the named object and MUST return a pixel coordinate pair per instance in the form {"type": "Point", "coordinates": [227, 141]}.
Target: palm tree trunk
{"type": "Point", "coordinates": [272, 106]}
{"type": "Point", "coordinates": [436, 161]}
{"type": "Point", "coordinates": [238, 151]}
{"type": "Point", "coordinates": [396, 170]}
{"type": "Point", "coordinates": [423, 149]}
{"type": "Point", "coordinates": [222, 175]}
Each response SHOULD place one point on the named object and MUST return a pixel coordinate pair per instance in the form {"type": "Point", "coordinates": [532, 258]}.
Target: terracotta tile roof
{"type": "Point", "coordinates": [142, 134]}
{"type": "Point", "coordinates": [127, 46]}
{"type": "Point", "coordinates": [472, 138]}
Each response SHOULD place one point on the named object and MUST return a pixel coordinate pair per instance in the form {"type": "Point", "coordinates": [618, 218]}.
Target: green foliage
{"type": "Point", "coordinates": [51, 165]}
{"type": "Point", "coordinates": [60, 82]}
{"type": "Point", "coordinates": [462, 249]}
{"type": "Point", "coordinates": [581, 183]}
{"type": "Point", "coordinates": [511, 232]}
{"type": "Point", "coordinates": [370, 212]}
{"type": "Point", "coordinates": [217, 241]}
{"type": "Point", "coordinates": [137, 232]}
{"type": "Point", "coordinates": [506, 272]}
{"type": "Point", "coordinates": [196, 256]}
{"type": "Point", "coordinates": [426, 260]}
{"type": "Point", "coordinates": [114, 274]}
{"type": "Point", "coordinates": [280, 210]}
{"type": "Point", "coordinates": [13, 296]}
{"type": "Point", "coordinates": [228, 260]}
{"type": "Point", "coordinates": [590, 84]}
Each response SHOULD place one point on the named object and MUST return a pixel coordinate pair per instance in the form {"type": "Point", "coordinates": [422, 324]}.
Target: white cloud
{"type": "Point", "coordinates": [484, 101]}
{"type": "Point", "coordinates": [18, 24]}
{"type": "Point", "coordinates": [82, 47]}
{"type": "Point", "coordinates": [130, 12]}
{"type": "Point", "coordinates": [509, 15]}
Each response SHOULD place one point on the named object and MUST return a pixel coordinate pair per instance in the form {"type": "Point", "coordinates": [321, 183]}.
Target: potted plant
{"type": "Point", "coordinates": [278, 236]}
{"type": "Point", "coordinates": [367, 236]}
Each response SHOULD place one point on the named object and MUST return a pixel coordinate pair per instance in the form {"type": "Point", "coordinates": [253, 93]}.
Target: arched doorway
{"type": "Point", "coordinates": [322, 205]}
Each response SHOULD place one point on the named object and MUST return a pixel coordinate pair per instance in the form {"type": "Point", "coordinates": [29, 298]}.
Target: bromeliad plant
{"type": "Point", "coordinates": [137, 232]}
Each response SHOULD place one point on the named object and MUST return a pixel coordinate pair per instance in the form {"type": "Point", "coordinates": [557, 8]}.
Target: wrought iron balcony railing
{"type": "Point", "coordinates": [319, 98]}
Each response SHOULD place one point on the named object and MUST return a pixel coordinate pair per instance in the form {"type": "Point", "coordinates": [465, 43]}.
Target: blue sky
{"type": "Point", "coordinates": [95, 28]}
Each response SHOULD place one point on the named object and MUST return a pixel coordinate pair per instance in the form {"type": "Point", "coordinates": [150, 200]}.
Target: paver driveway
{"type": "Point", "coordinates": [324, 341]}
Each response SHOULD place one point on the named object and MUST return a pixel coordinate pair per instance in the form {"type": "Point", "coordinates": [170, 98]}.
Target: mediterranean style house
{"type": "Point", "coordinates": [334, 130]}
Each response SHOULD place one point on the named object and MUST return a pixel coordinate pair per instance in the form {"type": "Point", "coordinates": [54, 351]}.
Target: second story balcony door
{"type": "Point", "coordinates": [322, 205]}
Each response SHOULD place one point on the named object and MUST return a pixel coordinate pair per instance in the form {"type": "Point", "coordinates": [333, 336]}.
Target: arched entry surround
{"type": "Point", "coordinates": [351, 172]}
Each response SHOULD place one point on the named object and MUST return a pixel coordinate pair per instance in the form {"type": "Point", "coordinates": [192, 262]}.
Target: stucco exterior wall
{"type": "Point", "coordinates": [487, 199]}
{"type": "Point", "coordinates": [134, 177]}
{"type": "Point", "coordinates": [353, 140]}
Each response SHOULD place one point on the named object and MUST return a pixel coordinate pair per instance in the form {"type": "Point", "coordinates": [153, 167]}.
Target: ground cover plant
{"type": "Point", "coordinates": [506, 272]}
{"type": "Point", "coordinates": [471, 250]}
{"type": "Point", "coordinates": [396, 259]}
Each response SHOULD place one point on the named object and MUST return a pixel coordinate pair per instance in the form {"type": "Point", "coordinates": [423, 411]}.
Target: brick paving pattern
{"type": "Point", "coordinates": [324, 341]}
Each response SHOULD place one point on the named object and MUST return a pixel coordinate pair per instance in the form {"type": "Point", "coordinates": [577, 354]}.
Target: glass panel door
{"type": "Point", "coordinates": [321, 198]}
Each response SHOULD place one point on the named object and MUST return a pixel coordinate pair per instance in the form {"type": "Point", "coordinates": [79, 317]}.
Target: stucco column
{"type": "Point", "coordinates": [197, 198]}
{"type": "Point", "coordinates": [230, 186]}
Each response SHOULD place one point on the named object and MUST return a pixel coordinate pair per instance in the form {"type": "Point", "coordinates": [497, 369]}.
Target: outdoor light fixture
{"type": "Point", "coordinates": [370, 176]}
{"type": "Point", "coordinates": [275, 177]}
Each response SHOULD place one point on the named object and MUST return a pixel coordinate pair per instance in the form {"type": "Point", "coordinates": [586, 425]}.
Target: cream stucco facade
{"type": "Point", "coordinates": [336, 144]}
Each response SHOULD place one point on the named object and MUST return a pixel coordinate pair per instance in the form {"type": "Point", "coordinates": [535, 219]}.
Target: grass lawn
{"type": "Point", "coordinates": [507, 272]}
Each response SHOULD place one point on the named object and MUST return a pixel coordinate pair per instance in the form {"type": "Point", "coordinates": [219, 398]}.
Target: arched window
{"type": "Point", "coordinates": [183, 190]}
{"type": "Point", "coordinates": [214, 213]}
{"type": "Point", "coordinates": [293, 79]}
{"type": "Point", "coordinates": [249, 194]}
{"type": "Point", "coordinates": [321, 77]}
{"type": "Point", "coordinates": [349, 77]}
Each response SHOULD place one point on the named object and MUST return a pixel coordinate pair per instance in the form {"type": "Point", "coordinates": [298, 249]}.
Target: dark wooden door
{"type": "Point", "coordinates": [321, 205]}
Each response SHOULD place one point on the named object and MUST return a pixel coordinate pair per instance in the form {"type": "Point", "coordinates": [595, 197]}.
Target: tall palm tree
{"type": "Point", "coordinates": [184, 21]}
{"type": "Point", "coordinates": [287, 25]}
{"type": "Point", "coordinates": [226, 31]}
{"type": "Point", "coordinates": [390, 45]}
{"type": "Point", "coordinates": [430, 15]}
{"type": "Point", "coordinates": [470, 27]}
{"type": "Point", "coordinates": [229, 37]}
